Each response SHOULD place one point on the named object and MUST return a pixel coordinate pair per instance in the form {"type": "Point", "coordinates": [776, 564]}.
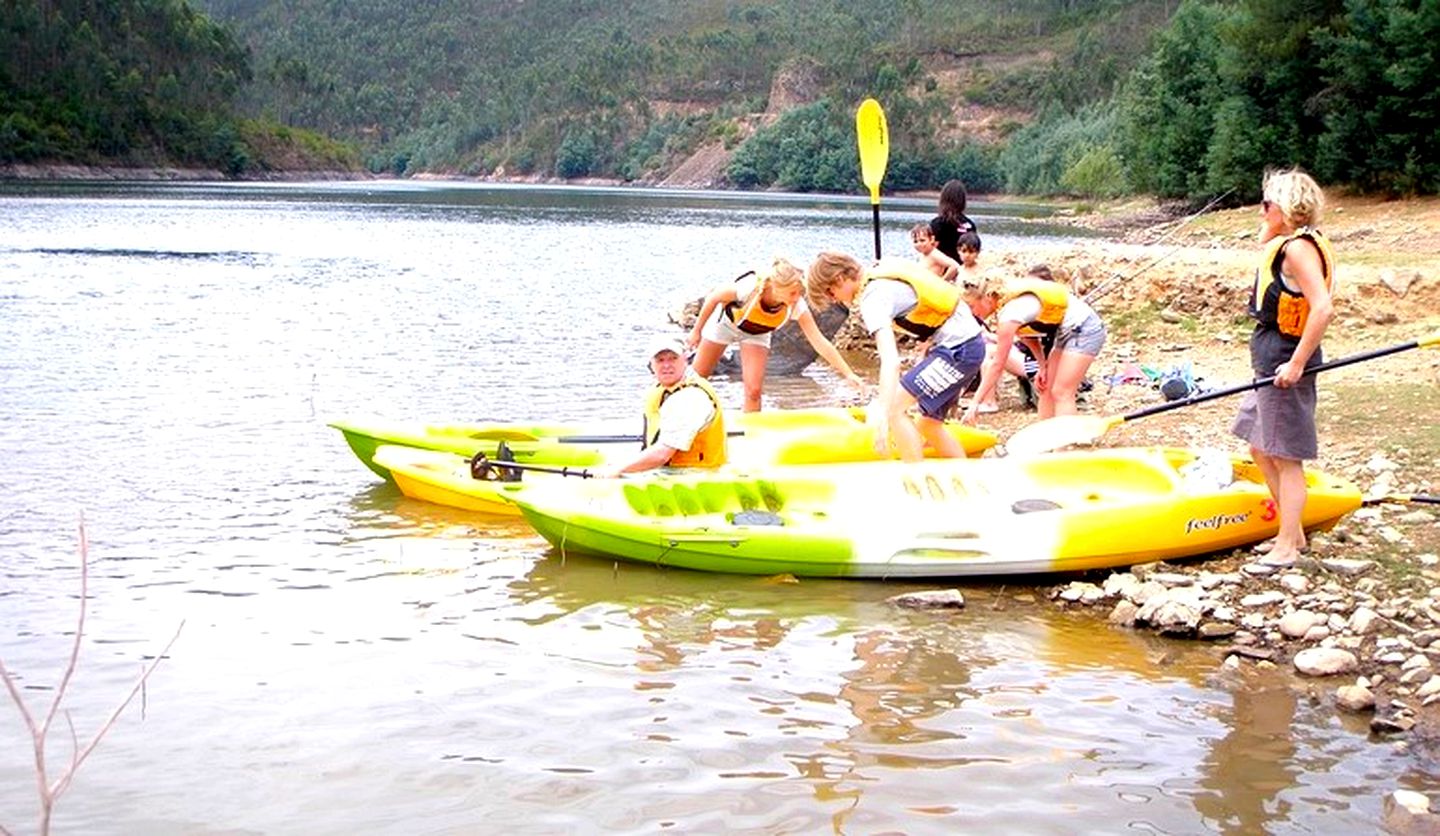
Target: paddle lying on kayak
{"type": "Point", "coordinates": [483, 468]}
{"type": "Point", "coordinates": [873, 137]}
{"type": "Point", "coordinates": [790, 436]}
{"type": "Point", "coordinates": [1064, 430]}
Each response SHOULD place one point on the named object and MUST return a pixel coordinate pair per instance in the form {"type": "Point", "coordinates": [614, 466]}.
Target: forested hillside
{"type": "Point", "coordinates": [630, 88]}
{"type": "Point", "coordinates": [134, 82]}
{"type": "Point", "coordinates": [1178, 98]}
{"type": "Point", "coordinates": [1091, 97]}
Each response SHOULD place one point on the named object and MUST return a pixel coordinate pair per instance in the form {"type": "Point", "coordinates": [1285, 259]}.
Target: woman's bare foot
{"type": "Point", "coordinates": [1281, 554]}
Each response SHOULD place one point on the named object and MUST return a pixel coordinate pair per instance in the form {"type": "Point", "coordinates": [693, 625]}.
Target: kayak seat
{"type": "Point", "coordinates": [1102, 476]}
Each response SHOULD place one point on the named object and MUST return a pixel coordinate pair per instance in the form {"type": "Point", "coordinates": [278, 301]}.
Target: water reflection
{"type": "Point", "coordinates": [1258, 745]}
{"type": "Point", "coordinates": [540, 205]}
{"type": "Point", "coordinates": [450, 667]}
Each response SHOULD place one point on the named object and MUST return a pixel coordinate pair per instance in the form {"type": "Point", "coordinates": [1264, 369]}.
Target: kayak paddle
{"type": "Point", "coordinates": [1063, 430]}
{"type": "Point", "coordinates": [874, 139]}
{"type": "Point", "coordinates": [486, 470]}
{"type": "Point", "coordinates": [1397, 498]}
{"type": "Point", "coordinates": [503, 434]}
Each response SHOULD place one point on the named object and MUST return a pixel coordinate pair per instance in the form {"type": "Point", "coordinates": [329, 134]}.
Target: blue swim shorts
{"type": "Point", "coordinates": [937, 381]}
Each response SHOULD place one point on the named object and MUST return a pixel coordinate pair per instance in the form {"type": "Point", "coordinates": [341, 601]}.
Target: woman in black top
{"type": "Point", "coordinates": [952, 220]}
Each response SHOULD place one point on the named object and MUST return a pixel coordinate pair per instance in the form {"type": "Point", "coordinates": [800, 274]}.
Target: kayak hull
{"type": "Point", "coordinates": [442, 478]}
{"type": "Point", "coordinates": [1063, 512]}
{"type": "Point", "coordinates": [529, 443]}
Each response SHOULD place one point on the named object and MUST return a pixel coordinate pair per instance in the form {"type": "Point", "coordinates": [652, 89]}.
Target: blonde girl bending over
{"type": "Point", "coordinates": [747, 311]}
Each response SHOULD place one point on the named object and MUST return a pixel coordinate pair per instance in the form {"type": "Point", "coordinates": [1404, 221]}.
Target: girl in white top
{"type": "Point", "coordinates": [747, 311]}
{"type": "Point", "coordinates": [1078, 338]}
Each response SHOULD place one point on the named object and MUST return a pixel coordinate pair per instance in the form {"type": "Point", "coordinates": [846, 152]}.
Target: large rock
{"type": "Point", "coordinates": [1325, 661]}
{"type": "Point", "coordinates": [1408, 812]}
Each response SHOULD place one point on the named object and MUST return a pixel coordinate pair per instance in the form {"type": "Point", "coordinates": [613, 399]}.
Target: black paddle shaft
{"type": "Point", "coordinates": [1423, 499]}
{"type": "Point", "coordinates": [1268, 381]}
{"type": "Point", "coordinates": [615, 439]}
{"type": "Point", "coordinates": [875, 207]}
{"type": "Point", "coordinates": [482, 467]}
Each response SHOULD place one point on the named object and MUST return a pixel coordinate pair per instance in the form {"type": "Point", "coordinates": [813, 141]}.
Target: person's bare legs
{"type": "Point", "coordinates": [1268, 470]}
{"type": "Point", "coordinates": [1285, 479]}
{"type": "Point", "coordinates": [906, 437]}
{"type": "Point", "coordinates": [706, 356]}
{"type": "Point", "coordinates": [933, 431]}
{"type": "Point", "coordinates": [752, 370]}
{"type": "Point", "coordinates": [1067, 371]}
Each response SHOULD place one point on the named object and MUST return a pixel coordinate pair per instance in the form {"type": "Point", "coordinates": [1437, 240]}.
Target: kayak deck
{"type": "Point", "coordinates": [785, 437]}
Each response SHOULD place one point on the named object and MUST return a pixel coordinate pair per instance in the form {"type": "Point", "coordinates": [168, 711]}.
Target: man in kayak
{"type": "Point", "coordinates": [907, 296]}
{"type": "Point", "coordinates": [684, 424]}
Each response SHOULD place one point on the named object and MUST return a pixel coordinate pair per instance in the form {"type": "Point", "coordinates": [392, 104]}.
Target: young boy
{"type": "Point", "coordinates": [968, 246]}
{"type": "Point", "coordinates": [971, 274]}
{"type": "Point", "coordinates": [937, 262]}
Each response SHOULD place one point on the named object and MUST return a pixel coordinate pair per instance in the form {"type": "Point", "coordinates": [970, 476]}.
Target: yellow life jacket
{"type": "Point", "coordinates": [1271, 302]}
{"type": "Point", "coordinates": [1054, 299]}
{"type": "Point", "coordinates": [936, 299]}
{"type": "Point", "coordinates": [751, 315]}
{"type": "Point", "coordinates": [708, 448]}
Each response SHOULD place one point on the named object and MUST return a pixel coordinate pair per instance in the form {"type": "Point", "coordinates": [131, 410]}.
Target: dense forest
{"type": "Point", "coordinates": [1178, 98]}
{"type": "Point", "coordinates": [136, 83]}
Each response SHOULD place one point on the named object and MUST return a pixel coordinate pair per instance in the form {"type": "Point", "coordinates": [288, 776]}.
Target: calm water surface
{"type": "Point", "coordinates": [353, 661]}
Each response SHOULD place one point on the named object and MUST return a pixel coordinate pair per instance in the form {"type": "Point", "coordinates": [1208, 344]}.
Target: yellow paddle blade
{"type": "Point", "coordinates": [1061, 431]}
{"type": "Point", "coordinates": [874, 139]}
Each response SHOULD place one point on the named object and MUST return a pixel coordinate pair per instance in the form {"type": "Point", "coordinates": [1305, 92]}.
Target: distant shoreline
{"type": "Point", "coordinates": [69, 171]}
{"type": "Point", "coordinates": [62, 171]}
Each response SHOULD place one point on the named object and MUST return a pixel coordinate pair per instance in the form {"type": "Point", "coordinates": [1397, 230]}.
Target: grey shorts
{"type": "Point", "coordinates": [1086, 338]}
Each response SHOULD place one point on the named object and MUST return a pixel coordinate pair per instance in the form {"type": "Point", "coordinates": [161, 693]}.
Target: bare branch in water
{"type": "Point", "coordinates": [49, 791]}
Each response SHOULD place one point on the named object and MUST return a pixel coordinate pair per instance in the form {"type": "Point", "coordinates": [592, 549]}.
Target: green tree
{"type": "Point", "coordinates": [1381, 107]}
{"type": "Point", "coordinates": [1167, 107]}
{"type": "Point", "coordinates": [577, 154]}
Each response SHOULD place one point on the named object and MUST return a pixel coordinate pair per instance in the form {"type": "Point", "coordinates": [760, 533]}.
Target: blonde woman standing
{"type": "Point", "coordinates": [1291, 303]}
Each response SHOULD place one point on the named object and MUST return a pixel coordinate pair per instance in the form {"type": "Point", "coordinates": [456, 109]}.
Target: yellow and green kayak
{"type": "Point", "coordinates": [446, 478]}
{"type": "Point", "coordinates": [1059, 512]}
{"type": "Point", "coordinates": [788, 436]}
{"type": "Point", "coordinates": [529, 443]}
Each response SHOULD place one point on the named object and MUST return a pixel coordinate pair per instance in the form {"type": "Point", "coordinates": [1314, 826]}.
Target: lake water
{"type": "Point", "coordinates": [354, 662]}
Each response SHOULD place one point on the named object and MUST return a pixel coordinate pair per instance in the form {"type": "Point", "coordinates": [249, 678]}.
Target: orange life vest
{"type": "Point", "coordinates": [708, 448]}
{"type": "Point", "coordinates": [936, 299]}
{"type": "Point", "coordinates": [1054, 299]}
{"type": "Point", "coordinates": [751, 315]}
{"type": "Point", "coordinates": [1271, 302]}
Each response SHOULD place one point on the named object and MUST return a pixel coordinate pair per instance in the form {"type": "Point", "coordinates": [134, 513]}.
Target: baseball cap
{"type": "Point", "coordinates": [665, 342]}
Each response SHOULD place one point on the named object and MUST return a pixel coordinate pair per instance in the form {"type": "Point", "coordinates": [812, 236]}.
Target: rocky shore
{"type": "Point", "coordinates": [1355, 624]}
